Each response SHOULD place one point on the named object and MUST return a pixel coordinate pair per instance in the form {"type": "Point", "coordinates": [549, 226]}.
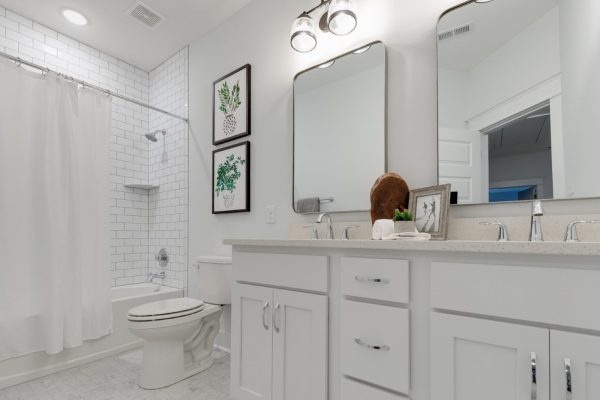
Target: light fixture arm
{"type": "Point", "coordinates": [323, 3]}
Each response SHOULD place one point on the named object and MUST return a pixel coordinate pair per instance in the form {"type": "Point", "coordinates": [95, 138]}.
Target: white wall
{"type": "Point", "coordinates": [340, 138]}
{"type": "Point", "coordinates": [580, 60]}
{"type": "Point", "coordinates": [531, 57]}
{"type": "Point", "coordinates": [259, 34]}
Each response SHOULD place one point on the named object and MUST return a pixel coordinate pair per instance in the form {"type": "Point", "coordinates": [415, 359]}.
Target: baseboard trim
{"type": "Point", "coordinates": [16, 379]}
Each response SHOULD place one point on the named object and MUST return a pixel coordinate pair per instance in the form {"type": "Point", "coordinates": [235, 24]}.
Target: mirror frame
{"type": "Point", "coordinates": [437, 59]}
{"type": "Point", "coordinates": [385, 122]}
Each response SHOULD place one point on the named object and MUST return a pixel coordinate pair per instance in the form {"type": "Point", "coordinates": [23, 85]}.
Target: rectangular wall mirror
{"type": "Point", "coordinates": [339, 131]}
{"type": "Point", "coordinates": [518, 93]}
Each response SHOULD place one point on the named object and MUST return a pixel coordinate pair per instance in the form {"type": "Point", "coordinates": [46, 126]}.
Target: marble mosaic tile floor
{"type": "Point", "coordinates": [115, 378]}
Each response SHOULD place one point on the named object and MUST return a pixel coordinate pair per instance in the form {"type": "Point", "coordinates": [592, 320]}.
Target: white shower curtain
{"type": "Point", "coordinates": [54, 281]}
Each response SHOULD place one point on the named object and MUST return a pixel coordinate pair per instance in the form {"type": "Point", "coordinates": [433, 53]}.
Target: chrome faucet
{"type": "Point", "coordinates": [152, 276]}
{"type": "Point", "coordinates": [571, 234]}
{"type": "Point", "coordinates": [502, 230]}
{"type": "Point", "coordinates": [329, 232]}
{"type": "Point", "coordinates": [535, 233]}
{"type": "Point", "coordinates": [346, 229]}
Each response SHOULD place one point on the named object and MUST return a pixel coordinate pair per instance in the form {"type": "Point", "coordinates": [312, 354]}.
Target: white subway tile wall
{"type": "Point", "coordinates": [129, 150]}
{"type": "Point", "coordinates": [169, 168]}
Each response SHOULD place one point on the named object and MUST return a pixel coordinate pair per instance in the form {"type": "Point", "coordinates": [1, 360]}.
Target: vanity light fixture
{"type": "Point", "coordinates": [74, 17]}
{"type": "Point", "coordinates": [339, 19]}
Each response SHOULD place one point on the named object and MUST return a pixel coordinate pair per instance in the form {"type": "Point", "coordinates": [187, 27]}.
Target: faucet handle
{"type": "Point", "coordinates": [346, 229]}
{"type": "Point", "coordinates": [571, 234]}
{"type": "Point", "coordinates": [314, 231]}
{"type": "Point", "coordinates": [502, 232]}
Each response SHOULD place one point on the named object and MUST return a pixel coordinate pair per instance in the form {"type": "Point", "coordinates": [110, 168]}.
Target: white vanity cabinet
{"type": "Point", "coordinates": [383, 320]}
{"type": "Point", "coordinates": [279, 336]}
{"type": "Point", "coordinates": [575, 359]}
{"type": "Point", "coordinates": [475, 359]}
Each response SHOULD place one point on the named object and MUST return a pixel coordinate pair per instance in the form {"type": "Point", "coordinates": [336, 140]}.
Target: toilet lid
{"type": "Point", "coordinates": [167, 307]}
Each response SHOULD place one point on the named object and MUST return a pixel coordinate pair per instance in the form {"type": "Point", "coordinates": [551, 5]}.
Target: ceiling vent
{"type": "Point", "coordinates": [454, 32]}
{"type": "Point", "coordinates": [145, 15]}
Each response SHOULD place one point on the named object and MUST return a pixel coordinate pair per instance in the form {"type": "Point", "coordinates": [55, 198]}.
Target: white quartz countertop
{"type": "Point", "coordinates": [537, 248]}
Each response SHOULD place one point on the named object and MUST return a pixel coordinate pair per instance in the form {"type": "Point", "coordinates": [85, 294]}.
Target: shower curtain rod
{"type": "Point", "coordinates": [20, 61]}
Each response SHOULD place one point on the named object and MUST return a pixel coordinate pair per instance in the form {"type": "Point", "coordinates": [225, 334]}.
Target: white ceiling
{"type": "Point", "coordinates": [493, 24]}
{"type": "Point", "coordinates": [117, 34]}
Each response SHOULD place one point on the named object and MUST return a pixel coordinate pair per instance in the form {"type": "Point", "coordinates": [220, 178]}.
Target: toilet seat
{"type": "Point", "coordinates": [166, 309]}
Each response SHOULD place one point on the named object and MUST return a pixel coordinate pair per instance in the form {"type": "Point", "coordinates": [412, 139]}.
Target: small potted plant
{"type": "Point", "coordinates": [228, 174]}
{"type": "Point", "coordinates": [403, 221]}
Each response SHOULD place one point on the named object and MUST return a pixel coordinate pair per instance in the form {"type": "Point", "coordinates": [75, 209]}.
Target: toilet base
{"type": "Point", "coordinates": [166, 362]}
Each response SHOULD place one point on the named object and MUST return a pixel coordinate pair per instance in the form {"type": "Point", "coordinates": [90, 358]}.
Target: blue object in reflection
{"type": "Point", "coordinates": [513, 193]}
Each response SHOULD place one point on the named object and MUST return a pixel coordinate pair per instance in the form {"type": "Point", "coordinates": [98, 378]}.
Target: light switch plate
{"type": "Point", "coordinates": [271, 214]}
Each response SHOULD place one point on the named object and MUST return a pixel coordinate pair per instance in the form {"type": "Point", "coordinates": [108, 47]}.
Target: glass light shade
{"type": "Point", "coordinates": [303, 38]}
{"type": "Point", "coordinates": [341, 17]}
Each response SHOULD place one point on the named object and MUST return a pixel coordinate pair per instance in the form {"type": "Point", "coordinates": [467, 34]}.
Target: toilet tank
{"type": "Point", "coordinates": [214, 279]}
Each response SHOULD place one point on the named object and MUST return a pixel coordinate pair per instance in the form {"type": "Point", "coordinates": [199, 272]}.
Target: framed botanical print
{"type": "Point", "coordinates": [231, 106]}
{"type": "Point", "coordinates": [231, 179]}
{"type": "Point", "coordinates": [429, 207]}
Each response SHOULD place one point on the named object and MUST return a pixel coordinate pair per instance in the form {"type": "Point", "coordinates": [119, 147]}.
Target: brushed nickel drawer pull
{"type": "Point", "coordinates": [533, 376]}
{"type": "Point", "coordinates": [383, 347]}
{"type": "Point", "coordinates": [264, 313]}
{"type": "Point", "coordinates": [569, 383]}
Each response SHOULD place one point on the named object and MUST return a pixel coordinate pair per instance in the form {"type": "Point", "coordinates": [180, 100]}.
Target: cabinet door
{"type": "Point", "coordinates": [475, 359]}
{"type": "Point", "coordinates": [300, 337]}
{"type": "Point", "coordinates": [578, 355]}
{"type": "Point", "coordinates": [251, 342]}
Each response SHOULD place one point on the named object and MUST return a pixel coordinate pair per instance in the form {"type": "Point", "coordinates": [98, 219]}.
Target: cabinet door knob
{"type": "Point", "coordinates": [533, 376]}
{"type": "Point", "coordinates": [366, 279]}
{"type": "Point", "coordinates": [264, 315]}
{"type": "Point", "coordinates": [569, 395]}
{"type": "Point", "coordinates": [382, 347]}
{"type": "Point", "coordinates": [276, 317]}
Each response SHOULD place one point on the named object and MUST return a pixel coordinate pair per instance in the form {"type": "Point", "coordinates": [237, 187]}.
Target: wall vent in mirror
{"type": "Point", "coordinates": [517, 100]}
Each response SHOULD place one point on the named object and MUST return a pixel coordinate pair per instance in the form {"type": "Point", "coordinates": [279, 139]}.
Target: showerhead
{"type": "Point", "coordinates": [151, 136]}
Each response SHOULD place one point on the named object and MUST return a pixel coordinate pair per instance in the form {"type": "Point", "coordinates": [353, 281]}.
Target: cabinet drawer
{"type": "Point", "coordinates": [375, 344]}
{"type": "Point", "coordinates": [293, 271]}
{"type": "Point", "coordinates": [375, 278]}
{"type": "Point", "coordinates": [352, 390]}
{"type": "Point", "coordinates": [559, 296]}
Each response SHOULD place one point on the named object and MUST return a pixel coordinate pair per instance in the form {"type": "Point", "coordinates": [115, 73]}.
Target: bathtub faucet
{"type": "Point", "coordinates": [151, 276]}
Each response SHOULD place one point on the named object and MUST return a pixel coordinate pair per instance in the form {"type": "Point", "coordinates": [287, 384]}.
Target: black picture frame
{"type": "Point", "coordinates": [245, 176]}
{"type": "Point", "coordinates": [246, 131]}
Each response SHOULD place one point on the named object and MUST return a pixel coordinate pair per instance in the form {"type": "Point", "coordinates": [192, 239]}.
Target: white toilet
{"type": "Point", "coordinates": [179, 333]}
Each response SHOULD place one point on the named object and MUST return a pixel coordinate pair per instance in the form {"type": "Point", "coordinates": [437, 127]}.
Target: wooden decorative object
{"type": "Point", "coordinates": [389, 192]}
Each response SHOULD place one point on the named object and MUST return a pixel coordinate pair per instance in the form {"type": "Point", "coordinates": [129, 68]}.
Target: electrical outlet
{"type": "Point", "coordinates": [271, 214]}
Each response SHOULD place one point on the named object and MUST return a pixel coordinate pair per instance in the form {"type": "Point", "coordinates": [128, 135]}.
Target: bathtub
{"type": "Point", "coordinates": [35, 365]}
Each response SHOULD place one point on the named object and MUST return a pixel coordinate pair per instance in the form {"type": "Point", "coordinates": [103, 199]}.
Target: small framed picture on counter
{"type": "Point", "coordinates": [430, 209]}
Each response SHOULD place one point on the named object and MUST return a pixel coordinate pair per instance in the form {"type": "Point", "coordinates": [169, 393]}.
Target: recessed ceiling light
{"type": "Point", "coordinates": [482, 1]}
{"type": "Point", "coordinates": [74, 17]}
